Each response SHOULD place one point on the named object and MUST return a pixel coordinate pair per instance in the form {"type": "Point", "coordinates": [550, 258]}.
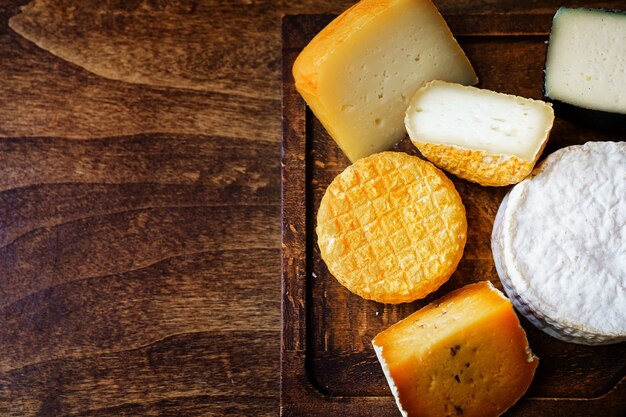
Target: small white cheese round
{"type": "Point", "coordinates": [559, 244]}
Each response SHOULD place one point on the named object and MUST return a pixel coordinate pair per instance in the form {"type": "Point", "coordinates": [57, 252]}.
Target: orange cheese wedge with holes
{"type": "Point", "coordinates": [358, 74]}
{"type": "Point", "coordinates": [465, 354]}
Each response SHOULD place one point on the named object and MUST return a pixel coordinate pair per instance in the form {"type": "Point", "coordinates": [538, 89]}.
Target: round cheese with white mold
{"type": "Point", "coordinates": [559, 244]}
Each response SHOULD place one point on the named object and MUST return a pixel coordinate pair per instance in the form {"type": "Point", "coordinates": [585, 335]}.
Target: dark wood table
{"type": "Point", "coordinates": [140, 204]}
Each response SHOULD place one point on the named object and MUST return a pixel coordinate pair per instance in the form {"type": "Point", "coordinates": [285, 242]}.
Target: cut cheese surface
{"type": "Point", "coordinates": [586, 61]}
{"type": "Point", "coordinates": [358, 74]}
{"type": "Point", "coordinates": [465, 354]}
{"type": "Point", "coordinates": [559, 244]}
{"type": "Point", "coordinates": [480, 135]}
{"type": "Point", "coordinates": [391, 228]}
{"type": "Point", "coordinates": [474, 118]}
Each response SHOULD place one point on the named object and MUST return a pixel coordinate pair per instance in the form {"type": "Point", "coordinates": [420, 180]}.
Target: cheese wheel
{"type": "Point", "coordinates": [358, 74]}
{"type": "Point", "coordinates": [559, 244]}
{"type": "Point", "coordinates": [482, 136]}
{"type": "Point", "coordinates": [391, 228]}
{"type": "Point", "coordinates": [465, 354]}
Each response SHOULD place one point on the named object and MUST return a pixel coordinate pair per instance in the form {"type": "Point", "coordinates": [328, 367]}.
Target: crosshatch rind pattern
{"type": "Point", "coordinates": [391, 228]}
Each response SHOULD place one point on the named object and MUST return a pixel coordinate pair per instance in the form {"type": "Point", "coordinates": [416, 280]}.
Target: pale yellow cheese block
{"type": "Point", "coordinates": [359, 73]}
{"type": "Point", "coordinates": [391, 228]}
{"type": "Point", "coordinates": [465, 354]}
{"type": "Point", "coordinates": [482, 136]}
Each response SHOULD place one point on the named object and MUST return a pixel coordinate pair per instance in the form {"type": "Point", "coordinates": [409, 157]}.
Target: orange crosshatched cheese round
{"type": "Point", "coordinates": [391, 228]}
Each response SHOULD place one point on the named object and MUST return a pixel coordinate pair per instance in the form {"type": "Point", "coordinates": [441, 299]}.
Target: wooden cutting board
{"type": "Point", "coordinates": [328, 366]}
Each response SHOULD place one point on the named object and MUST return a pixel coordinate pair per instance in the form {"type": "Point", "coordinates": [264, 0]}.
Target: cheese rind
{"type": "Point", "coordinates": [486, 137]}
{"type": "Point", "coordinates": [392, 384]}
{"type": "Point", "coordinates": [585, 75]}
{"type": "Point", "coordinates": [358, 74]}
{"type": "Point", "coordinates": [559, 244]}
{"type": "Point", "coordinates": [463, 354]}
{"type": "Point", "coordinates": [391, 228]}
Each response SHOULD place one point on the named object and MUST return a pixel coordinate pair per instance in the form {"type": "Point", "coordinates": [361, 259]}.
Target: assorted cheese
{"type": "Point", "coordinates": [559, 243]}
{"type": "Point", "coordinates": [480, 135]}
{"type": "Point", "coordinates": [586, 66]}
{"type": "Point", "coordinates": [465, 354]}
{"type": "Point", "coordinates": [391, 228]}
{"type": "Point", "coordinates": [358, 74]}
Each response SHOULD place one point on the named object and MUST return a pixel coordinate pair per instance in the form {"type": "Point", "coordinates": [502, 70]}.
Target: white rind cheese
{"type": "Point", "coordinates": [586, 61]}
{"type": "Point", "coordinates": [359, 73]}
{"type": "Point", "coordinates": [392, 384]}
{"type": "Point", "coordinates": [559, 244]}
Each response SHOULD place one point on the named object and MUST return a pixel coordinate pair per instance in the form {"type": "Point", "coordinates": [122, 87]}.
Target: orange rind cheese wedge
{"type": "Point", "coordinates": [359, 73]}
{"type": "Point", "coordinates": [391, 228]}
{"type": "Point", "coordinates": [465, 354]}
{"type": "Point", "coordinates": [490, 138]}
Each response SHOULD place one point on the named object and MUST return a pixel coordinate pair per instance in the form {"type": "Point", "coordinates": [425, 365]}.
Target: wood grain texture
{"type": "Point", "coordinates": [116, 39]}
{"type": "Point", "coordinates": [328, 363]}
{"type": "Point", "coordinates": [54, 98]}
{"type": "Point", "coordinates": [184, 369]}
{"type": "Point", "coordinates": [139, 238]}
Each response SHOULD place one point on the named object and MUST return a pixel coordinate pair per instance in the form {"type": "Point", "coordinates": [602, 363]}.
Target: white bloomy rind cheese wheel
{"type": "Point", "coordinates": [359, 73]}
{"type": "Point", "coordinates": [559, 244]}
{"type": "Point", "coordinates": [483, 136]}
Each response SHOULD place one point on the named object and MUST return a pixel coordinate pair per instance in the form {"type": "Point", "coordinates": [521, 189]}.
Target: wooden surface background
{"type": "Point", "coordinates": [140, 204]}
